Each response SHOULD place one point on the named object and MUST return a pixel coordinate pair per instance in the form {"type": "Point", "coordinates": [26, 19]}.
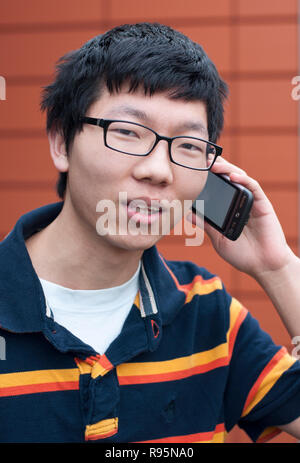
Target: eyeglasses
{"type": "Point", "coordinates": [138, 140]}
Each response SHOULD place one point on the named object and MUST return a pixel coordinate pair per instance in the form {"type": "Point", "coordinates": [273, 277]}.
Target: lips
{"type": "Point", "coordinates": [145, 205]}
{"type": "Point", "coordinates": [144, 210]}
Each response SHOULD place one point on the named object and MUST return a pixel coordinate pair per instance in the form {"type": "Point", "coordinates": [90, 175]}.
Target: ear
{"type": "Point", "coordinates": [58, 150]}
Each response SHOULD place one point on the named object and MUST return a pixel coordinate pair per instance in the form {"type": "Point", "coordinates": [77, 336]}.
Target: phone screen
{"type": "Point", "coordinates": [217, 196]}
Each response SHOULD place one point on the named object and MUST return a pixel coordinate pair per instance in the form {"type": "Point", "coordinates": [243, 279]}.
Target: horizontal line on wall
{"type": "Point", "coordinates": [108, 23]}
{"type": "Point", "coordinates": [258, 130]}
{"type": "Point", "coordinates": [265, 20]}
{"type": "Point", "coordinates": [43, 80]}
{"type": "Point", "coordinates": [27, 185]}
{"type": "Point", "coordinates": [281, 186]}
{"type": "Point", "coordinates": [22, 133]}
{"type": "Point", "coordinates": [23, 79]}
{"type": "Point", "coordinates": [44, 27]}
{"type": "Point", "coordinates": [175, 240]}
{"type": "Point", "coordinates": [262, 75]}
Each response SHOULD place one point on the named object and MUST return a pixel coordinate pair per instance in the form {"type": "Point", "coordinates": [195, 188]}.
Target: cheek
{"type": "Point", "coordinates": [93, 172]}
{"type": "Point", "coordinates": [191, 184]}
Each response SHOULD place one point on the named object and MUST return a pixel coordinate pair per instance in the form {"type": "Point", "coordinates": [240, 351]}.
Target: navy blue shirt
{"type": "Point", "coordinates": [188, 365]}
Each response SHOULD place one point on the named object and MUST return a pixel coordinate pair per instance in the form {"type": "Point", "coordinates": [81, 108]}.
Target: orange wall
{"type": "Point", "coordinates": [254, 45]}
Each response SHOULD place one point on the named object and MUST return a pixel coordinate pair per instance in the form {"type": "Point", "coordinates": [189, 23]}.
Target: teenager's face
{"type": "Point", "coordinates": [97, 173]}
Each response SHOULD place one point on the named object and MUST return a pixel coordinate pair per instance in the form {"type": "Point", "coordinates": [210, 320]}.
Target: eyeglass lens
{"type": "Point", "coordinates": [134, 139]}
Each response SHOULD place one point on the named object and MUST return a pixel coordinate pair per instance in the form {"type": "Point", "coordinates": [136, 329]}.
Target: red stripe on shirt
{"type": "Point", "coordinates": [198, 437]}
{"type": "Point", "coordinates": [281, 353]}
{"type": "Point", "coordinates": [36, 388]}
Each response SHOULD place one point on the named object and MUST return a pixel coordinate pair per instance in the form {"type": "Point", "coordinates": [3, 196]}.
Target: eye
{"type": "Point", "coordinates": [190, 147]}
{"type": "Point", "coordinates": [124, 132]}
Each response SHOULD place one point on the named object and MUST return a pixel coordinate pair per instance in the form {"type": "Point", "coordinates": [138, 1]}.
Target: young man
{"type": "Point", "coordinates": [105, 339]}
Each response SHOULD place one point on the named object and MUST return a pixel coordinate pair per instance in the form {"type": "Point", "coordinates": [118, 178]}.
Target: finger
{"type": "Point", "coordinates": [262, 204]}
{"type": "Point", "coordinates": [248, 182]}
{"type": "Point", "coordinates": [222, 166]}
{"type": "Point", "coordinates": [238, 175]}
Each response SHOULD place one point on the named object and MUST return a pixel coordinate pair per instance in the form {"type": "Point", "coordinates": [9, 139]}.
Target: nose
{"type": "Point", "coordinates": [156, 167]}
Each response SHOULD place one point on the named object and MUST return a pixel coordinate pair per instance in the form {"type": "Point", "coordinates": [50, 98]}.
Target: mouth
{"type": "Point", "coordinates": [144, 210]}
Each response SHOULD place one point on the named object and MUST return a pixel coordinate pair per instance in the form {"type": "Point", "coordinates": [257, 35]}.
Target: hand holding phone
{"type": "Point", "coordinates": [227, 205]}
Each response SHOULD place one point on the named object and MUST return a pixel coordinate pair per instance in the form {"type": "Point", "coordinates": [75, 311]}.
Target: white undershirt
{"type": "Point", "coordinates": [94, 316]}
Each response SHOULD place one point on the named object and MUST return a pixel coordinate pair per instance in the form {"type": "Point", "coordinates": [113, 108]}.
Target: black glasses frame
{"type": "Point", "coordinates": [104, 123]}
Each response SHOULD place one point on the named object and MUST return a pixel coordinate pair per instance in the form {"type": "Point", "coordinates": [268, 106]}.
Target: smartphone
{"type": "Point", "coordinates": [227, 205]}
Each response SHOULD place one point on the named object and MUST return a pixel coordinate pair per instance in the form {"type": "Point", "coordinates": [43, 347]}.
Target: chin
{"type": "Point", "coordinates": [135, 242]}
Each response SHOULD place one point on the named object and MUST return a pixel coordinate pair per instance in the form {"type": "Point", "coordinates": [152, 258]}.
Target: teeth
{"type": "Point", "coordinates": [142, 208]}
{"type": "Point", "coordinates": [150, 210]}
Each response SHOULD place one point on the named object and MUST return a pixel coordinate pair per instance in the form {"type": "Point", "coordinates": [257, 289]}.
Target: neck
{"type": "Point", "coordinates": [71, 254]}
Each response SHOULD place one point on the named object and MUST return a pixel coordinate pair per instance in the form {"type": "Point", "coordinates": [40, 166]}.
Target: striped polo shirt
{"type": "Point", "coordinates": [189, 364]}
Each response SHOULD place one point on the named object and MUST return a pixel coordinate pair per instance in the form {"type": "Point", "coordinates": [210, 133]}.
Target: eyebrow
{"type": "Point", "coordinates": [128, 110]}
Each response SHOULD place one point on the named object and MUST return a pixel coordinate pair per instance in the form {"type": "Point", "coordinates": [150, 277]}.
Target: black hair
{"type": "Point", "coordinates": [150, 55]}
